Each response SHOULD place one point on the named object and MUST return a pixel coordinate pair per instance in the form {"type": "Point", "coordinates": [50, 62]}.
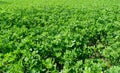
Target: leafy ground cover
{"type": "Point", "coordinates": [59, 37]}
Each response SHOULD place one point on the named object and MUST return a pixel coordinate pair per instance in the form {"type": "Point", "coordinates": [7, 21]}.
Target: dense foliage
{"type": "Point", "coordinates": [60, 39]}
